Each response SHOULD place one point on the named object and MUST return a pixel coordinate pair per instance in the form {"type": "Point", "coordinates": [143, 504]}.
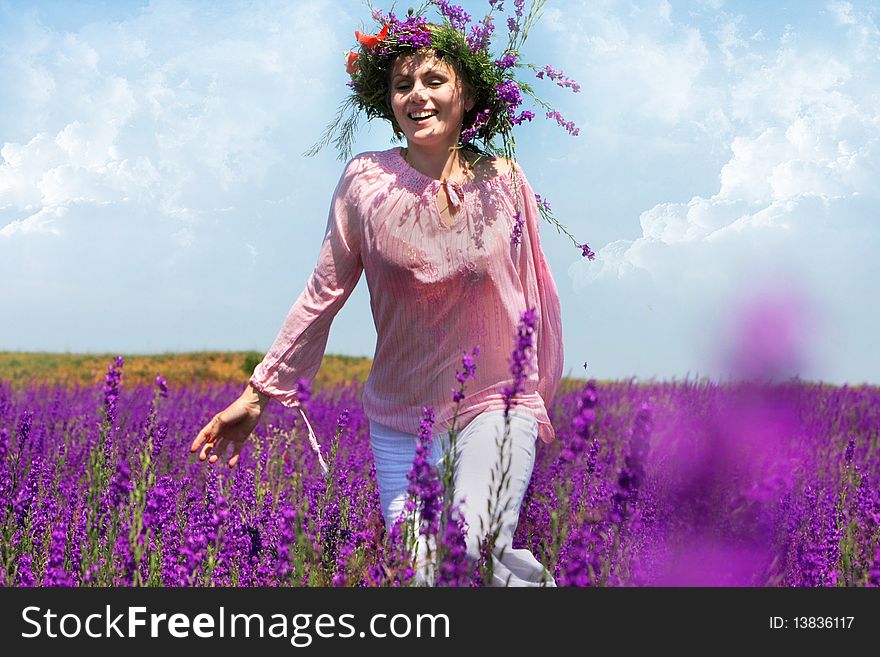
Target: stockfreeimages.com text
{"type": "Point", "coordinates": [300, 629]}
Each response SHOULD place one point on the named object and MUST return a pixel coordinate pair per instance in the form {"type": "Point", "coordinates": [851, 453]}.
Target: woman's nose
{"type": "Point", "coordinates": [418, 92]}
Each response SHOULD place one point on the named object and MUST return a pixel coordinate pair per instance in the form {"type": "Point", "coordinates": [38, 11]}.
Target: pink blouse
{"type": "Point", "coordinates": [436, 291]}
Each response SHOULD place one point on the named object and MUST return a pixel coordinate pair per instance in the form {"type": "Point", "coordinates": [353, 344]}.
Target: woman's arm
{"type": "Point", "coordinates": [299, 347]}
{"type": "Point", "coordinates": [541, 292]}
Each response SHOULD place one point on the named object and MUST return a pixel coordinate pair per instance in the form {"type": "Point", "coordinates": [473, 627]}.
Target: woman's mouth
{"type": "Point", "coordinates": [421, 116]}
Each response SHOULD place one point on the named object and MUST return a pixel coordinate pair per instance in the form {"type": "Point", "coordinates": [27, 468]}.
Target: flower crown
{"type": "Point", "coordinates": [498, 94]}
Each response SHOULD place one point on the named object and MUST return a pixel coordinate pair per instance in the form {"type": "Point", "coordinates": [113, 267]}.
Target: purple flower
{"type": "Point", "coordinates": [509, 92]}
{"type": "Point", "coordinates": [631, 475]}
{"type": "Point", "coordinates": [4, 444]}
{"type": "Point", "coordinates": [480, 120]}
{"type": "Point", "coordinates": [559, 78]}
{"type": "Point", "coordinates": [160, 504]}
{"type": "Point", "coordinates": [412, 33]}
{"type": "Point", "coordinates": [874, 570]}
{"type": "Point", "coordinates": [111, 386]}
{"type": "Point", "coordinates": [518, 221]}
{"type": "Point", "coordinates": [120, 484]}
{"type": "Point", "coordinates": [342, 421]}
{"type": "Point", "coordinates": [162, 384]}
{"type": "Point", "coordinates": [512, 25]}
{"type": "Point", "coordinates": [455, 567]}
{"type": "Point", "coordinates": [481, 34]}
{"type": "Point", "coordinates": [424, 484]}
{"type": "Point", "coordinates": [55, 574]}
{"type": "Point", "coordinates": [568, 125]}
{"type": "Point", "coordinates": [593, 456]}
{"type": "Point", "coordinates": [543, 203]}
{"type": "Point", "coordinates": [581, 564]}
{"type": "Point", "coordinates": [25, 576]}
{"type": "Point", "coordinates": [507, 61]}
{"type": "Point", "coordinates": [468, 371]}
{"type": "Point", "coordinates": [457, 16]}
{"type": "Point", "coordinates": [525, 115]}
{"type": "Point", "coordinates": [520, 358]}
{"type": "Point", "coordinates": [583, 420]}
{"type": "Point", "coordinates": [587, 251]}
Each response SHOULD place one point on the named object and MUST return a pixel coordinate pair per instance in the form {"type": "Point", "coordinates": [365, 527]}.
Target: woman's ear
{"type": "Point", "coordinates": [469, 102]}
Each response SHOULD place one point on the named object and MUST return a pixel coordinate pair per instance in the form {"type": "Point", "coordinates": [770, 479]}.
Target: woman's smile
{"type": "Point", "coordinates": [422, 116]}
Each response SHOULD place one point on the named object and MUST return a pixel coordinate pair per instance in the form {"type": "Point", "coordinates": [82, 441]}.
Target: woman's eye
{"type": "Point", "coordinates": [403, 86]}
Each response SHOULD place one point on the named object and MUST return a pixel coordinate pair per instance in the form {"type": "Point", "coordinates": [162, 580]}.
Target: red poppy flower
{"type": "Point", "coordinates": [351, 58]}
{"type": "Point", "coordinates": [371, 40]}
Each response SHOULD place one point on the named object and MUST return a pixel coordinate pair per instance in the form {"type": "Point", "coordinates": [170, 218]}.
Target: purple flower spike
{"type": "Point", "coordinates": [111, 385]}
{"type": "Point", "coordinates": [481, 34]}
{"type": "Point", "coordinates": [568, 125]}
{"type": "Point", "coordinates": [468, 371]}
{"type": "Point", "coordinates": [518, 221]}
{"type": "Point", "coordinates": [424, 484]}
{"type": "Point", "coordinates": [457, 16]}
{"type": "Point", "coordinates": [587, 252]}
{"type": "Point", "coordinates": [520, 358]}
{"type": "Point", "coordinates": [508, 61]}
{"type": "Point", "coordinates": [559, 78]}
{"type": "Point", "coordinates": [543, 203]}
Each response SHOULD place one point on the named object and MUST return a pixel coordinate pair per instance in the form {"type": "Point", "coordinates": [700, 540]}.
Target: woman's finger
{"type": "Point", "coordinates": [200, 438]}
{"type": "Point", "coordinates": [210, 447]}
{"type": "Point", "coordinates": [219, 448]}
{"type": "Point", "coordinates": [208, 434]}
{"type": "Point", "coordinates": [236, 454]}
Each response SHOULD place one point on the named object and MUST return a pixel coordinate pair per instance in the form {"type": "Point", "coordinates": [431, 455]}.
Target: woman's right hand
{"type": "Point", "coordinates": [231, 427]}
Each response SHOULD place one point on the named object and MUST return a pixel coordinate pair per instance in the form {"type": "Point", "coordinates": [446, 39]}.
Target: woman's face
{"type": "Point", "coordinates": [428, 100]}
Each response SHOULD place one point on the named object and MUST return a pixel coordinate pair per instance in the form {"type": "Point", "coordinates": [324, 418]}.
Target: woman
{"type": "Point", "coordinates": [431, 226]}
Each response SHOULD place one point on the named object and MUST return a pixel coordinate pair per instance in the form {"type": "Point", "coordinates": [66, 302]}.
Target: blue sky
{"type": "Point", "coordinates": [153, 195]}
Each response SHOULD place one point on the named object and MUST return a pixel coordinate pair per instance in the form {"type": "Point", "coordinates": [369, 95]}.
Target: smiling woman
{"type": "Point", "coordinates": [447, 236]}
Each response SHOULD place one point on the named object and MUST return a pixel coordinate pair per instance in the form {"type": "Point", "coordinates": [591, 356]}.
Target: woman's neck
{"type": "Point", "coordinates": [441, 163]}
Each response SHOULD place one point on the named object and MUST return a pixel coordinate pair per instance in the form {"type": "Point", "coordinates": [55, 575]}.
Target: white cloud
{"type": "Point", "coordinates": [161, 108]}
{"type": "Point", "coordinates": [797, 200]}
{"type": "Point", "coordinates": [151, 179]}
{"type": "Point", "coordinates": [842, 11]}
{"type": "Point", "coordinates": [652, 76]}
{"type": "Point", "coordinates": [46, 220]}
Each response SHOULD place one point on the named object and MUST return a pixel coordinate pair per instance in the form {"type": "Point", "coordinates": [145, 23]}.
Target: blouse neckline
{"type": "Point", "coordinates": [407, 173]}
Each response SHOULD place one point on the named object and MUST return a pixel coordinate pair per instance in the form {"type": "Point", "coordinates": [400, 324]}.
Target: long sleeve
{"type": "Point", "coordinates": [541, 292]}
{"type": "Point", "coordinates": [298, 349]}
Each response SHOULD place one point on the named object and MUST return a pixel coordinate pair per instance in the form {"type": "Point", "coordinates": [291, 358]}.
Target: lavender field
{"type": "Point", "coordinates": [680, 483]}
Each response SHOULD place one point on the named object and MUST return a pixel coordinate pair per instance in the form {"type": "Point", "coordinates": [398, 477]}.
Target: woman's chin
{"type": "Point", "coordinates": [430, 138]}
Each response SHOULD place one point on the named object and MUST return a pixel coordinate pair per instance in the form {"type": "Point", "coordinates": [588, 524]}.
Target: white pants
{"type": "Point", "coordinates": [478, 456]}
